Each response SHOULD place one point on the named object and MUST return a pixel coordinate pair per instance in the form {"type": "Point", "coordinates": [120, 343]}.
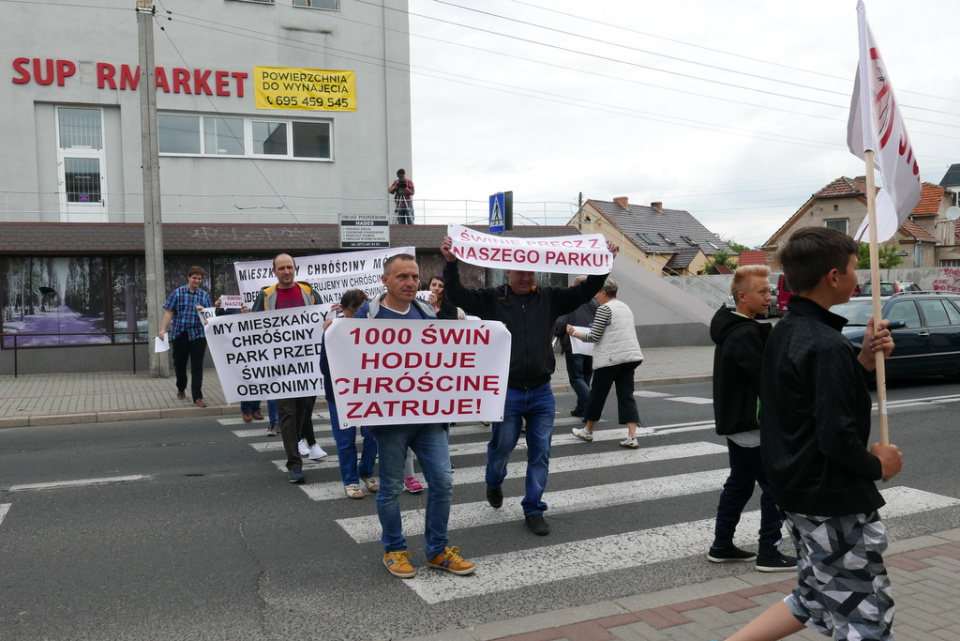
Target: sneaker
{"type": "Point", "coordinates": [728, 555]}
{"type": "Point", "coordinates": [412, 485]}
{"type": "Point", "coordinates": [247, 417]}
{"type": "Point", "coordinates": [537, 524]}
{"type": "Point", "coordinates": [778, 562]}
{"type": "Point", "coordinates": [583, 434]}
{"type": "Point", "coordinates": [398, 563]}
{"type": "Point", "coordinates": [495, 497]}
{"type": "Point", "coordinates": [353, 491]}
{"type": "Point", "coordinates": [303, 447]}
{"type": "Point", "coordinates": [296, 475]}
{"type": "Point", "coordinates": [452, 562]}
{"type": "Point", "coordinates": [274, 429]}
{"type": "Point", "coordinates": [630, 442]}
{"type": "Point", "coordinates": [316, 452]}
{"type": "Point", "coordinates": [373, 483]}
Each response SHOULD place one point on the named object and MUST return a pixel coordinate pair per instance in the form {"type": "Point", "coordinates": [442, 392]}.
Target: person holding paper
{"type": "Point", "coordinates": [616, 356]}
{"type": "Point", "coordinates": [401, 277]}
{"type": "Point", "coordinates": [186, 332]}
{"type": "Point", "coordinates": [289, 293]}
{"type": "Point", "coordinates": [579, 366]}
{"type": "Point", "coordinates": [529, 313]}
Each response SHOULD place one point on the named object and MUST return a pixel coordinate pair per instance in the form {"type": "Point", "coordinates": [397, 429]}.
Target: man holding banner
{"type": "Point", "coordinates": [529, 313]}
{"type": "Point", "coordinates": [285, 294]}
{"type": "Point", "coordinates": [401, 277]}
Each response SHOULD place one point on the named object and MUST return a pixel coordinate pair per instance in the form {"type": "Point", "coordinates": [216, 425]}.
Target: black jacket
{"type": "Point", "coordinates": [529, 319]}
{"type": "Point", "coordinates": [737, 360]}
{"type": "Point", "coordinates": [815, 417]}
{"type": "Point", "coordinates": [580, 317]}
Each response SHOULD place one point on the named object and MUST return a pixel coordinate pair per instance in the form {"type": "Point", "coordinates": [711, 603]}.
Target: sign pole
{"type": "Point", "coordinates": [875, 295]}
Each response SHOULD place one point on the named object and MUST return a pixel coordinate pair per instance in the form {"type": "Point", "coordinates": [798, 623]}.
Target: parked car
{"type": "Point", "coordinates": [783, 295]}
{"type": "Point", "coordinates": [925, 328]}
{"type": "Point", "coordinates": [890, 288]}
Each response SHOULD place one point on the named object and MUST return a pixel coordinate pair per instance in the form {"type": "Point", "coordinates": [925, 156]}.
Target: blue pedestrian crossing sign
{"type": "Point", "coordinates": [497, 212]}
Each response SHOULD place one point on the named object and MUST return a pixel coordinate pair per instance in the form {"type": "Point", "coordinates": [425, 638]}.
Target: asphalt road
{"type": "Point", "coordinates": [179, 529]}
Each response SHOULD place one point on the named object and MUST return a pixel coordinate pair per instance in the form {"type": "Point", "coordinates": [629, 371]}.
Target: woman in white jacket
{"type": "Point", "coordinates": [615, 357]}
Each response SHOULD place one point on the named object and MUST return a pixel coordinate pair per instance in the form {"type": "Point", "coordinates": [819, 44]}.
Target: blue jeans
{"type": "Point", "coordinates": [249, 407]}
{"type": "Point", "coordinates": [535, 406]}
{"type": "Point", "coordinates": [580, 371]}
{"type": "Point", "coordinates": [273, 411]}
{"type": "Point", "coordinates": [746, 468]}
{"type": "Point", "coordinates": [346, 438]}
{"type": "Point", "coordinates": [429, 443]}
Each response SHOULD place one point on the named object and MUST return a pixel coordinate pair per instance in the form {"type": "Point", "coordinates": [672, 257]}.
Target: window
{"type": "Point", "coordinates": [950, 263]}
{"type": "Point", "coordinates": [665, 239]}
{"type": "Point", "coordinates": [648, 239]}
{"type": "Point", "coordinates": [235, 136]}
{"type": "Point", "coordinates": [317, 4]}
{"type": "Point", "coordinates": [907, 312]}
{"type": "Point", "coordinates": [840, 224]}
{"type": "Point", "coordinates": [80, 128]}
{"type": "Point", "coordinates": [934, 312]}
{"type": "Point", "coordinates": [689, 241]}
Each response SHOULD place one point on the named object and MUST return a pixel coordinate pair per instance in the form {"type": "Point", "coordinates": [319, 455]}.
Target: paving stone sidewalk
{"type": "Point", "coordinates": [57, 399]}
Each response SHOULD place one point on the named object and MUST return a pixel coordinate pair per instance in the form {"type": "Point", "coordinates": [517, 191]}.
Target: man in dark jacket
{"type": "Point", "coordinates": [579, 366]}
{"type": "Point", "coordinates": [815, 427]}
{"type": "Point", "coordinates": [529, 313]}
{"type": "Point", "coordinates": [736, 391]}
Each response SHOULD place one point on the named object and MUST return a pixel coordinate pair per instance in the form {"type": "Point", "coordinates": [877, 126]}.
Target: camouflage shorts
{"type": "Point", "coordinates": [843, 589]}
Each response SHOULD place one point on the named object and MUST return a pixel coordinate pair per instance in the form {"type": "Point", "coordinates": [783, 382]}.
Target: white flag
{"type": "Point", "coordinates": [876, 124]}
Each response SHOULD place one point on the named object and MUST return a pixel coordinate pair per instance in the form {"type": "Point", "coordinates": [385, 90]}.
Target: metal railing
{"type": "Point", "coordinates": [16, 348]}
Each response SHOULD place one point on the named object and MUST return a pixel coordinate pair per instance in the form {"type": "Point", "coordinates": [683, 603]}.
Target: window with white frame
{"type": "Point", "coordinates": [317, 4]}
{"type": "Point", "coordinates": [840, 224]}
{"type": "Point", "coordinates": [206, 135]}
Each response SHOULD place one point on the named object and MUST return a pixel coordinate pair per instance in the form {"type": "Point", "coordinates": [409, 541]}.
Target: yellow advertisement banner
{"type": "Point", "coordinates": [309, 89]}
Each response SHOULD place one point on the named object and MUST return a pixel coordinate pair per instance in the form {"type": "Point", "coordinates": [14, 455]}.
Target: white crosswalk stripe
{"type": "Point", "coordinates": [541, 565]}
{"type": "Point", "coordinates": [4, 508]}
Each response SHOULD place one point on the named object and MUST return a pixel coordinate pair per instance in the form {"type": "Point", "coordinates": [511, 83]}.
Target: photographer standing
{"type": "Point", "coordinates": [402, 190]}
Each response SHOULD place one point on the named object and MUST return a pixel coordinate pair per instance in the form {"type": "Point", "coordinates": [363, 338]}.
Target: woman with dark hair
{"type": "Point", "coordinates": [445, 309]}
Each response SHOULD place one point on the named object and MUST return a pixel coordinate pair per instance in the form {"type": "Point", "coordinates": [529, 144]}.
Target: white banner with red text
{"type": "Point", "coordinates": [584, 254]}
{"type": "Point", "coordinates": [268, 355]}
{"type": "Point", "coordinates": [398, 372]}
{"type": "Point", "coordinates": [330, 275]}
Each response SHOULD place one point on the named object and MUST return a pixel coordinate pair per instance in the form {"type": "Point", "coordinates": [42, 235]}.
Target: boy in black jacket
{"type": "Point", "coordinates": [815, 426]}
{"type": "Point", "coordinates": [736, 394]}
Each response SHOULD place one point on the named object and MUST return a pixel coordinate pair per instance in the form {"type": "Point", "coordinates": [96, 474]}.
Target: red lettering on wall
{"type": "Point", "coordinates": [160, 80]}
{"type": "Point", "coordinates": [129, 78]}
{"type": "Point", "coordinates": [240, 76]}
{"type": "Point", "coordinates": [200, 82]}
{"type": "Point", "coordinates": [105, 73]}
{"type": "Point", "coordinates": [181, 80]}
{"type": "Point", "coordinates": [221, 83]}
{"type": "Point", "coordinates": [20, 66]}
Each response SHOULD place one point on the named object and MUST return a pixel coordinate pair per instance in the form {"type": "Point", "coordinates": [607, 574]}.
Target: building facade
{"type": "Point", "coordinates": [273, 117]}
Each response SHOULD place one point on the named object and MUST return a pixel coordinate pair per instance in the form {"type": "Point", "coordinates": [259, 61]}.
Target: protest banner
{"type": "Point", "coordinates": [206, 313]}
{"type": "Point", "coordinates": [268, 355]}
{"type": "Point", "coordinates": [583, 254]}
{"type": "Point", "coordinates": [231, 302]}
{"type": "Point", "coordinates": [330, 275]}
{"type": "Point", "coordinates": [395, 372]}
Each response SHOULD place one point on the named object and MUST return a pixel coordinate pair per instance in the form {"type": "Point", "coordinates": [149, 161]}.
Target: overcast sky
{"type": "Point", "coordinates": [734, 111]}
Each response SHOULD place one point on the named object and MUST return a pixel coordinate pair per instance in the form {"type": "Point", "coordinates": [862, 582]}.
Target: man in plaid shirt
{"type": "Point", "coordinates": [186, 332]}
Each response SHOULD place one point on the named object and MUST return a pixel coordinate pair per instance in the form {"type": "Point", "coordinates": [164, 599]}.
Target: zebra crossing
{"type": "Point", "coordinates": [570, 560]}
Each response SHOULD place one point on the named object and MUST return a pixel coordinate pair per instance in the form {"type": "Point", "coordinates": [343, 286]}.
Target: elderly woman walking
{"type": "Point", "coordinates": [615, 357]}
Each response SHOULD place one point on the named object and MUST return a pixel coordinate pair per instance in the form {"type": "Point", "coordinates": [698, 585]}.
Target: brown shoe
{"type": "Point", "coordinates": [181, 394]}
{"type": "Point", "coordinates": [199, 403]}
{"type": "Point", "coordinates": [258, 416]}
{"type": "Point", "coordinates": [247, 418]}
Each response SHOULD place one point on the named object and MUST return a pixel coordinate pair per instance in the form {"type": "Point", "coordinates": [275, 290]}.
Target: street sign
{"type": "Point", "coordinates": [364, 231]}
{"type": "Point", "coordinates": [497, 209]}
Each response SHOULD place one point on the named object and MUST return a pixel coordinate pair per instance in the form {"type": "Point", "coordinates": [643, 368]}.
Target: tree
{"type": "Point", "coordinates": [888, 255]}
{"type": "Point", "coordinates": [735, 246]}
{"type": "Point", "coordinates": [720, 258]}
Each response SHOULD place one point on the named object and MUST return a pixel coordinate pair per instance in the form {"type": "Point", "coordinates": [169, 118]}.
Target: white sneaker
{"type": "Point", "coordinates": [316, 452]}
{"type": "Point", "coordinates": [582, 433]}
{"type": "Point", "coordinates": [302, 446]}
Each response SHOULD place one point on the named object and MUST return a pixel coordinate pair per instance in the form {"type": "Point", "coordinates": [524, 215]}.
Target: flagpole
{"type": "Point", "coordinates": [875, 295]}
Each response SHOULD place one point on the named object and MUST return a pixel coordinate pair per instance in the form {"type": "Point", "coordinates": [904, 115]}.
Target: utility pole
{"type": "Point", "coordinates": [152, 223]}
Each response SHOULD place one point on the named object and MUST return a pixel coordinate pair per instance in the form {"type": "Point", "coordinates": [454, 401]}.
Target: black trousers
{"type": "Point", "coordinates": [185, 349]}
{"type": "Point", "coordinates": [604, 378]}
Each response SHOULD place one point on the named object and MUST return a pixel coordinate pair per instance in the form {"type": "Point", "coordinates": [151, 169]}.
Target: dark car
{"type": "Point", "coordinates": [925, 328]}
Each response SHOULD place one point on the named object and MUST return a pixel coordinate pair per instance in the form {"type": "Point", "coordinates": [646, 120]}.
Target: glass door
{"type": "Point", "coordinates": [81, 161]}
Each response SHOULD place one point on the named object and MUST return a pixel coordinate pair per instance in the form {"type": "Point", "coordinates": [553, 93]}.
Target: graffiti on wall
{"type": "Point", "coordinates": [950, 282]}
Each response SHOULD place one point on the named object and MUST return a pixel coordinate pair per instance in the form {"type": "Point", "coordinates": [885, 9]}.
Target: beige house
{"type": "Point", "coordinates": [927, 238]}
{"type": "Point", "coordinates": [666, 242]}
